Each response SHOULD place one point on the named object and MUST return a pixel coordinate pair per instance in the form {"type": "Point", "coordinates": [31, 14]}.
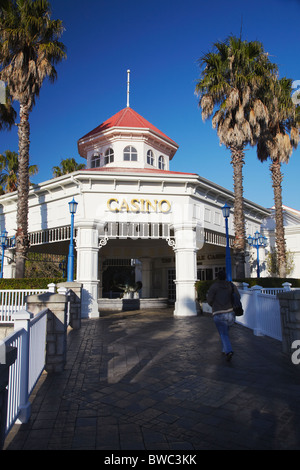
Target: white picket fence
{"type": "Point", "coordinates": [261, 313]}
{"type": "Point", "coordinates": [29, 337]}
{"type": "Point", "coordinates": [261, 310]}
{"type": "Point", "coordinates": [13, 300]}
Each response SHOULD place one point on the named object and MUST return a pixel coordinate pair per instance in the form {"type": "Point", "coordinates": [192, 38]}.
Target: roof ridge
{"type": "Point", "coordinates": [121, 115]}
{"type": "Point", "coordinates": [140, 118]}
{"type": "Point", "coordinates": [117, 120]}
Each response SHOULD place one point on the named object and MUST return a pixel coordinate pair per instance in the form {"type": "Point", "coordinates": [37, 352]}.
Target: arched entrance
{"type": "Point", "coordinates": [135, 267]}
{"type": "Point", "coordinates": [159, 249]}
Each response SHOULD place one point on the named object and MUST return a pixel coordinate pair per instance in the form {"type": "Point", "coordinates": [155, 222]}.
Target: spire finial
{"type": "Point", "coordinates": [128, 84]}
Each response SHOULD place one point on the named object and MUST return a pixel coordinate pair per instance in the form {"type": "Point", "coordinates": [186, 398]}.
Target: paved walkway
{"type": "Point", "coordinates": [148, 381]}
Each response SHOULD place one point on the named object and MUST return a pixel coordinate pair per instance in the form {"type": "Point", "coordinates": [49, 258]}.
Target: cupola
{"type": "Point", "coordinates": [127, 140]}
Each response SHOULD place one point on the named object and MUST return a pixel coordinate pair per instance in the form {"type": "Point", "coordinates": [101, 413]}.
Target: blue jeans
{"type": "Point", "coordinates": [223, 321]}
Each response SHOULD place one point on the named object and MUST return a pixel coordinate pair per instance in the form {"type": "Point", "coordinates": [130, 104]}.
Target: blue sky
{"type": "Point", "coordinates": [160, 41]}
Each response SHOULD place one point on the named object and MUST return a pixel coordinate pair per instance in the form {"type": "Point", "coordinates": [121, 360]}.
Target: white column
{"type": "Point", "coordinates": [87, 248]}
{"type": "Point", "coordinates": [186, 269]}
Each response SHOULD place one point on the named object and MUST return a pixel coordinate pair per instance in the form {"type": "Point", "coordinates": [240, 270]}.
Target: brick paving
{"type": "Point", "coordinates": [144, 380]}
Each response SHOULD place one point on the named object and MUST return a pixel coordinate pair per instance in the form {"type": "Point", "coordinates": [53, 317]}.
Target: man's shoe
{"type": "Point", "coordinates": [229, 356]}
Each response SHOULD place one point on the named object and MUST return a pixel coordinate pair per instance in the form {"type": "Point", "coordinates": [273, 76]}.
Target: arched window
{"type": "Point", "coordinates": [161, 163]}
{"type": "Point", "coordinates": [95, 162]}
{"type": "Point", "coordinates": [150, 157]}
{"type": "Point", "coordinates": [109, 156]}
{"type": "Point", "coordinates": [130, 154]}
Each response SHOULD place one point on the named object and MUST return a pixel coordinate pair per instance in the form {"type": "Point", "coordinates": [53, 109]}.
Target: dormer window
{"type": "Point", "coordinates": [109, 156]}
{"type": "Point", "coordinates": [161, 163]}
{"type": "Point", "coordinates": [130, 154]}
{"type": "Point", "coordinates": [150, 158]}
{"type": "Point", "coordinates": [95, 162]}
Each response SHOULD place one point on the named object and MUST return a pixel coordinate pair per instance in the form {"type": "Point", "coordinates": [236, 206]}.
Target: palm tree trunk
{"type": "Point", "coordinates": [277, 178]}
{"type": "Point", "coordinates": [22, 242]}
{"type": "Point", "coordinates": [237, 161]}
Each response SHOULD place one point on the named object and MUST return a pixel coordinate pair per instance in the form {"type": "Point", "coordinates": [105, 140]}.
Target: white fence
{"type": "Point", "coordinates": [261, 310]}
{"type": "Point", "coordinates": [13, 300]}
{"type": "Point", "coordinates": [29, 337]}
{"type": "Point", "coordinates": [261, 313]}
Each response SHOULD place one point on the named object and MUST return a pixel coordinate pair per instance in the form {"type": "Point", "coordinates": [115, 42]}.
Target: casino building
{"type": "Point", "coordinates": [135, 215]}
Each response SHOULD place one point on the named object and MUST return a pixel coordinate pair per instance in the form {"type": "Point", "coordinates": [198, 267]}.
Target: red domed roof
{"type": "Point", "coordinates": [127, 118]}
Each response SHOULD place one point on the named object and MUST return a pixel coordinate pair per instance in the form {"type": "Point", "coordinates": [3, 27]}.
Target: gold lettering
{"type": "Point", "coordinates": [142, 205]}
{"type": "Point", "coordinates": [124, 206]}
{"type": "Point", "coordinates": [149, 204]}
{"type": "Point", "coordinates": [139, 205]}
{"type": "Point", "coordinates": [161, 205]}
{"type": "Point", "coordinates": [109, 202]}
{"type": "Point", "coordinates": [135, 204]}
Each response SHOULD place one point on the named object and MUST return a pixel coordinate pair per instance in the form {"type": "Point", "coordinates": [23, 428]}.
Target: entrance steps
{"type": "Point", "coordinates": [132, 304]}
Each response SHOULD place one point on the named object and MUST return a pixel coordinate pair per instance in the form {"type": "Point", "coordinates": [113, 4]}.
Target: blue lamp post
{"type": "Point", "coordinates": [70, 274]}
{"type": "Point", "coordinates": [3, 242]}
{"type": "Point", "coordinates": [257, 241]}
{"type": "Point", "coordinates": [226, 214]}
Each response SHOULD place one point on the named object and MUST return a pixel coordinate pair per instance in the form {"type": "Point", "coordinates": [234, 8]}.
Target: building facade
{"type": "Point", "coordinates": [134, 215]}
{"type": "Point", "coordinates": [291, 223]}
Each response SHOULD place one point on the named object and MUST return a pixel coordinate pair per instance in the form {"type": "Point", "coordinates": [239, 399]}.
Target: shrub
{"type": "Point", "coordinates": [270, 281]}
{"type": "Point", "coordinates": [28, 283]}
{"type": "Point", "coordinates": [202, 288]}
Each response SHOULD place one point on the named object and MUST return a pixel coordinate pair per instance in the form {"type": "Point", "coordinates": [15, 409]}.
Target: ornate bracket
{"type": "Point", "coordinates": [171, 242]}
{"type": "Point", "coordinates": [103, 241]}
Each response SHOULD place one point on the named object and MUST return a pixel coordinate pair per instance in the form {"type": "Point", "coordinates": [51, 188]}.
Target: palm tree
{"type": "Point", "coordinates": [29, 50]}
{"type": "Point", "coordinates": [9, 168]}
{"type": "Point", "coordinates": [231, 76]}
{"type": "Point", "coordinates": [7, 112]}
{"type": "Point", "coordinates": [69, 165]}
{"type": "Point", "coordinates": [277, 142]}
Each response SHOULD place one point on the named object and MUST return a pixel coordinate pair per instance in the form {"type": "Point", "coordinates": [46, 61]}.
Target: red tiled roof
{"type": "Point", "coordinates": [138, 170]}
{"type": "Point", "coordinates": [127, 117]}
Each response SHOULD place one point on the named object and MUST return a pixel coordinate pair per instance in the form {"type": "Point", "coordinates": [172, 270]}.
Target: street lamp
{"type": "Point", "coordinates": [3, 243]}
{"type": "Point", "coordinates": [72, 208]}
{"type": "Point", "coordinates": [257, 241]}
{"type": "Point", "coordinates": [226, 214]}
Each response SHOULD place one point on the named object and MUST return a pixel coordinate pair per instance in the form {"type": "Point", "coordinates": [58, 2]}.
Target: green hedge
{"type": "Point", "coordinates": [203, 286]}
{"type": "Point", "coordinates": [270, 281]}
{"type": "Point", "coordinates": [33, 283]}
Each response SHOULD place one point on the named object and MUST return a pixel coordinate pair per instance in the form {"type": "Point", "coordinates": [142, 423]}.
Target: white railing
{"type": "Point", "coordinates": [37, 348]}
{"type": "Point", "coordinates": [272, 290]}
{"type": "Point", "coordinates": [29, 338]}
{"type": "Point", "coordinates": [261, 313]}
{"type": "Point", "coordinates": [50, 235]}
{"type": "Point", "coordinates": [13, 300]}
{"type": "Point", "coordinates": [18, 340]}
{"type": "Point", "coordinates": [261, 309]}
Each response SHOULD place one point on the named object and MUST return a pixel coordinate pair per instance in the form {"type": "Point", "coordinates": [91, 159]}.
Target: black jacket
{"type": "Point", "coordinates": [219, 296]}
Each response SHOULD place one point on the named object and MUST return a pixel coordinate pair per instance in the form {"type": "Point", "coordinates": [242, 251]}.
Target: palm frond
{"type": "Point", "coordinates": [30, 47]}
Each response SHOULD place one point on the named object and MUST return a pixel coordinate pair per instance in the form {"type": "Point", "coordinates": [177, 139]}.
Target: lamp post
{"type": "Point", "coordinates": [3, 242]}
{"type": "Point", "coordinates": [226, 214]}
{"type": "Point", "coordinates": [70, 274]}
{"type": "Point", "coordinates": [257, 241]}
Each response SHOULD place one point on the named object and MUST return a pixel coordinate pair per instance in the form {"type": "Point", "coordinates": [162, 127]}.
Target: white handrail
{"type": "Point", "coordinates": [29, 338]}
